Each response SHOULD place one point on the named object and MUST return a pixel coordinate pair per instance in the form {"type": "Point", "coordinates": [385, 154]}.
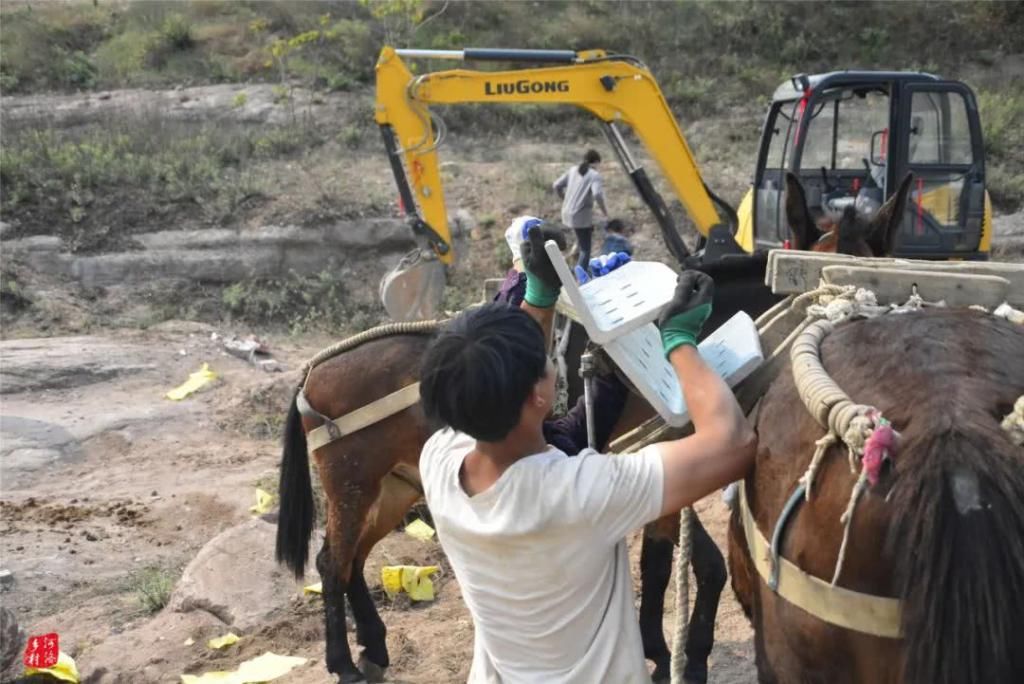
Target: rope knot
{"type": "Point", "coordinates": [1013, 423]}
{"type": "Point", "coordinates": [857, 433]}
{"type": "Point", "coordinates": [842, 303]}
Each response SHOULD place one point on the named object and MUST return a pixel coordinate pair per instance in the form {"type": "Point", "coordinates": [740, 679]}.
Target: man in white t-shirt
{"type": "Point", "coordinates": [537, 539]}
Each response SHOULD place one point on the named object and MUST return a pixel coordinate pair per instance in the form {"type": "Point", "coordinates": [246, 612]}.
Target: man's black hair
{"type": "Point", "coordinates": [479, 371]}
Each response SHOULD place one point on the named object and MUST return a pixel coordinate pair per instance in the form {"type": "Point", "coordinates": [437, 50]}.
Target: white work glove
{"type": "Point", "coordinates": [516, 234]}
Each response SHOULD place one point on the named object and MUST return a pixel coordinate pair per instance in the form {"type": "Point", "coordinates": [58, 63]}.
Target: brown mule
{"type": "Point", "coordinates": [942, 530]}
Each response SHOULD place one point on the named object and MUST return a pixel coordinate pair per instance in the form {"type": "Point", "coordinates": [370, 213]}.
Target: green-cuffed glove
{"type": "Point", "coordinates": [683, 317]}
{"type": "Point", "coordinates": [542, 283]}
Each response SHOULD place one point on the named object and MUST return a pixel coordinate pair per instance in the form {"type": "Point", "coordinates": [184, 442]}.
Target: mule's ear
{"type": "Point", "coordinates": [886, 223]}
{"type": "Point", "coordinates": [801, 225]}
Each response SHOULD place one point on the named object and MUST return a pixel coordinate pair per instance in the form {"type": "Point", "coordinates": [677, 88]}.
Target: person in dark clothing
{"type": "Point", "coordinates": [569, 433]}
{"type": "Point", "coordinates": [615, 239]}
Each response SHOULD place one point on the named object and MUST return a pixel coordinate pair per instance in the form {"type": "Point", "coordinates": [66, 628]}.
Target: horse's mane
{"type": "Point", "coordinates": [957, 500]}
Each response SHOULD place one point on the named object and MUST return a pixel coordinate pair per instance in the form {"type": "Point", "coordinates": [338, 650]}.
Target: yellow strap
{"type": "Point", "coordinates": [365, 416]}
{"type": "Point", "coordinates": [875, 615]}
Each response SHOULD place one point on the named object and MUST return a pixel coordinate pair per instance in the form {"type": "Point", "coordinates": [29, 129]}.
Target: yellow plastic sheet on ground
{"type": "Point", "coordinates": [200, 378]}
{"type": "Point", "coordinates": [264, 501]}
{"type": "Point", "coordinates": [413, 579]}
{"type": "Point", "coordinates": [419, 530]}
{"type": "Point", "coordinates": [223, 641]}
{"type": "Point", "coordinates": [317, 588]}
{"type": "Point", "coordinates": [265, 668]}
{"type": "Point", "coordinates": [65, 669]}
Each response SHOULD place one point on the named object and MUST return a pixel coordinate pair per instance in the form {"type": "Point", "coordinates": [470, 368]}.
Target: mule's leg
{"type": "Point", "coordinates": [395, 499]}
{"type": "Point", "coordinates": [655, 571]}
{"type": "Point", "coordinates": [339, 657]}
{"type": "Point", "coordinates": [371, 633]}
{"type": "Point", "coordinates": [709, 569]}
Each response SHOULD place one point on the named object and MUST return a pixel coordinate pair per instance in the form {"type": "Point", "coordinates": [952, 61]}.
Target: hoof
{"type": "Point", "coordinates": [695, 674]}
{"type": "Point", "coordinates": [373, 672]}
{"type": "Point", "coordinates": [661, 675]}
{"type": "Point", "coordinates": [351, 678]}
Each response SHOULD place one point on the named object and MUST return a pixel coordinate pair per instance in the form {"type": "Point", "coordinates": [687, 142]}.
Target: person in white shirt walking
{"type": "Point", "coordinates": [580, 187]}
{"type": "Point", "coordinates": [536, 538]}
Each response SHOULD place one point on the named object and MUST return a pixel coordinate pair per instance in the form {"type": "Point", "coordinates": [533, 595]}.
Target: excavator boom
{"type": "Point", "coordinates": [617, 90]}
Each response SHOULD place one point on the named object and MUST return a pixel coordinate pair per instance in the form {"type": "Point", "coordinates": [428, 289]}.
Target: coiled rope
{"type": "Point", "coordinates": [386, 330]}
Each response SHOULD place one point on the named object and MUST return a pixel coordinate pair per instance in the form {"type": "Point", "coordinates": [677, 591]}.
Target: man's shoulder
{"type": "Point", "coordinates": [440, 448]}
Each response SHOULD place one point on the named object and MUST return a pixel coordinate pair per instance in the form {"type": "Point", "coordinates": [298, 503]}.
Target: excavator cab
{"type": "Point", "coordinates": [852, 136]}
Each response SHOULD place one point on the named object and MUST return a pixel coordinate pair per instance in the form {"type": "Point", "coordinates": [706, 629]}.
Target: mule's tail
{"type": "Point", "coordinates": [959, 543]}
{"type": "Point", "coordinates": [295, 520]}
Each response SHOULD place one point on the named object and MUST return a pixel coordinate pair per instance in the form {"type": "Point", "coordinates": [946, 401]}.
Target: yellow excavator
{"type": "Point", "coordinates": [849, 136]}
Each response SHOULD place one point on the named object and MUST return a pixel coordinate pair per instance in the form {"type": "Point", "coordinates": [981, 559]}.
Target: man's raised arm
{"type": "Point", "coordinates": [723, 445]}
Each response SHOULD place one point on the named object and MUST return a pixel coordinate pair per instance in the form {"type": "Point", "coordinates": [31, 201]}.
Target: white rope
{"type": "Point", "coordinates": [1013, 423]}
{"type": "Point", "coordinates": [821, 446]}
{"type": "Point", "coordinates": [847, 521]}
{"type": "Point", "coordinates": [682, 625]}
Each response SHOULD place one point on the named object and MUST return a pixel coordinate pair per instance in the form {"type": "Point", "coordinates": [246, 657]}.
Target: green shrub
{"type": "Point", "coordinates": [351, 136]}
{"type": "Point", "coordinates": [124, 57]}
{"type": "Point", "coordinates": [299, 302]}
{"type": "Point", "coordinates": [281, 94]}
{"type": "Point", "coordinates": [48, 46]}
{"type": "Point", "coordinates": [1002, 121]}
{"type": "Point", "coordinates": [1005, 187]}
{"type": "Point", "coordinates": [152, 587]}
{"type": "Point", "coordinates": [340, 82]}
{"type": "Point", "coordinates": [176, 32]}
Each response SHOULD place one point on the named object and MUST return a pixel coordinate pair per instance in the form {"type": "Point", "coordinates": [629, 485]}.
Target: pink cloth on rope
{"type": "Point", "coordinates": [879, 446]}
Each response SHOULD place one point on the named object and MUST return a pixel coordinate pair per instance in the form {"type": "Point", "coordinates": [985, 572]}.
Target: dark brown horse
{"type": "Point", "coordinates": [371, 477]}
{"type": "Point", "coordinates": [942, 530]}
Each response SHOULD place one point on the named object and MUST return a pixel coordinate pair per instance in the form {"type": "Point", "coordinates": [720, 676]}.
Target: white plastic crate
{"type": "Point", "coordinates": [618, 310]}
{"type": "Point", "coordinates": [619, 302]}
{"type": "Point", "coordinates": [733, 351]}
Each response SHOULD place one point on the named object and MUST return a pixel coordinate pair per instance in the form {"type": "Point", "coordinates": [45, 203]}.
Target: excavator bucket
{"type": "Point", "coordinates": [414, 289]}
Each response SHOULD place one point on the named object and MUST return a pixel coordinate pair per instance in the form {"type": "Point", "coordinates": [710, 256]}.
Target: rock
{"type": "Point", "coordinates": [235, 578]}
{"type": "Point", "coordinates": [221, 255]}
{"type": "Point", "coordinates": [12, 640]}
{"type": "Point", "coordinates": [1008, 225]}
{"type": "Point", "coordinates": [1008, 237]}
{"type": "Point", "coordinates": [462, 222]}
{"type": "Point", "coordinates": [64, 362]}
{"type": "Point", "coordinates": [4, 229]}
{"type": "Point", "coordinates": [270, 366]}
{"type": "Point", "coordinates": [6, 579]}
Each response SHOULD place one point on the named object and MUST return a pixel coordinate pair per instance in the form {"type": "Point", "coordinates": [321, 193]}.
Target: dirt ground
{"type": "Point", "coordinates": [105, 480]}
